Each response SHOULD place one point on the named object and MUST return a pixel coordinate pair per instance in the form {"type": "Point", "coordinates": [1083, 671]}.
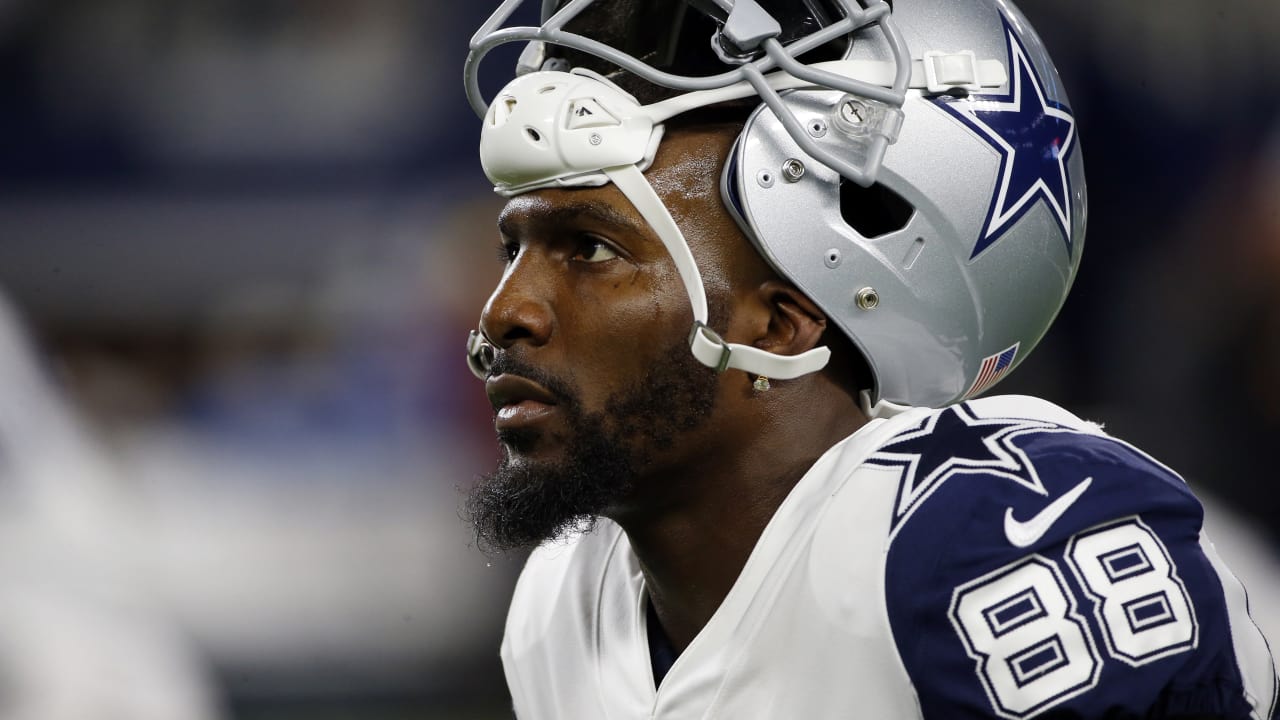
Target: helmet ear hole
{"type": "Point", "coordinates": [873, 211]}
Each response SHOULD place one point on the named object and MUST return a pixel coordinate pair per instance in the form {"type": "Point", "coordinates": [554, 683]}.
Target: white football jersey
{"type": "Point", "coordinates": [997, 558]}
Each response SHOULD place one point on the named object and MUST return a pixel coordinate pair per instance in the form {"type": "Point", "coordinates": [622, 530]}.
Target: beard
{"type": "Point", "coordinates": [523, 504]}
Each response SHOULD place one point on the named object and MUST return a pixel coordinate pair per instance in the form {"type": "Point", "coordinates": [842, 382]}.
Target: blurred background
{"type": "Point", "coordinates": [241, 243]}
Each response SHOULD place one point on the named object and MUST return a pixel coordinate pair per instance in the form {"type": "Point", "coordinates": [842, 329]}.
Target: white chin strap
{"type": "Point", "coordinates": [706, 345]}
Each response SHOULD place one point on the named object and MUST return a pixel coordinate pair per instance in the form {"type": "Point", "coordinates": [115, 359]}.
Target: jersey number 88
{"type": "Point", "coordinates": [1034, 649]}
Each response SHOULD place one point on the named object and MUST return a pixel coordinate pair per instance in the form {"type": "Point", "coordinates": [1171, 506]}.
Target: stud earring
{"type": "Point", "coordinates": [761, 384]}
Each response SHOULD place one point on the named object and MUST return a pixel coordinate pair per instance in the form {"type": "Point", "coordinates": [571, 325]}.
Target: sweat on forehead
{"type": "Point", "coordinates": [690, 159]}
{"type": "Point", "coordinates": [551, 208]}
{"type": "Point", "coordinates": [686, 173]}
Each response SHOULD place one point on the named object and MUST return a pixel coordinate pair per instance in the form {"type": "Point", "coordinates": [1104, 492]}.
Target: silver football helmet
{"type": "Point", "coordinates": [914, 169]}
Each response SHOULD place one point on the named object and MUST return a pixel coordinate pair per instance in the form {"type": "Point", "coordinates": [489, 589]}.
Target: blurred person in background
{"type": "Point", "coordinates": [82, 634]}
{"type": "Point", "coordinates": [213, 215]}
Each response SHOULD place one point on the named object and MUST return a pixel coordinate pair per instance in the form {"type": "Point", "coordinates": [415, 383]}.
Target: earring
{"type": "Point", "coordinates": [761, 384]}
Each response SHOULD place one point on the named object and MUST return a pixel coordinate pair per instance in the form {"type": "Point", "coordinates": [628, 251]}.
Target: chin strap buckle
{"type": "Point", "coordinates": [702, 339]}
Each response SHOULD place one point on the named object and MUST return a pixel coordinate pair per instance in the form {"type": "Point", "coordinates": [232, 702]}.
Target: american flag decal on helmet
{"type": "Point", "coordinates": [993, 368]}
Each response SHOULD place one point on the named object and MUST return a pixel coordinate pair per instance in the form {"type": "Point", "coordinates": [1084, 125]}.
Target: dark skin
{"type": "Point", "coordinates": [590, 293]}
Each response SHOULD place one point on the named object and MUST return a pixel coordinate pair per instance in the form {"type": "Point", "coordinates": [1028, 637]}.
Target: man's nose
{"type": "Point", "coordinates": [520, 307]}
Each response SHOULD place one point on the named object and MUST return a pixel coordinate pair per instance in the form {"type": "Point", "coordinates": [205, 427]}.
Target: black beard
{"type": "Point", "coordinates": [521, 505]}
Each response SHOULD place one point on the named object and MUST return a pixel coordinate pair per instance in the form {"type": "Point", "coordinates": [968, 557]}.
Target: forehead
{"type": "Point", "coordinates": [544, 209]}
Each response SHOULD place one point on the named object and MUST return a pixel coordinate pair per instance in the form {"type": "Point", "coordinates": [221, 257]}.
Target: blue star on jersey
{"type": "Point", "coordinates": [1034, 136]}
{"type": "Point", "coordinates": [956, 441]}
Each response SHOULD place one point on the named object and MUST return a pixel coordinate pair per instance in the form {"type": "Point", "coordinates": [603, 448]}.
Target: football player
{"type": "Point", "coordinates": [762, 259]}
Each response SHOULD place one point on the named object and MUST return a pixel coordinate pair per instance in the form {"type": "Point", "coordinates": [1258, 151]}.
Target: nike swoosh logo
{"type": "Point", "coordinates": [1024, 534]}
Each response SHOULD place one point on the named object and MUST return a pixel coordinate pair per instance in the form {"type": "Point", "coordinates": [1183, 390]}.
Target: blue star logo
{"type": "Point", "coordinates": [1034, 136]}
{"type": "Point", "coordinates": [955, 441]}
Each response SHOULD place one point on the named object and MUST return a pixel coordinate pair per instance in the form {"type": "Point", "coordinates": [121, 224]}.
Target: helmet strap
{"type": "Point", "coordinates": [707, 346]}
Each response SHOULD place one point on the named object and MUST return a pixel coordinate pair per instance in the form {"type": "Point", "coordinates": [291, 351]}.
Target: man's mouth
{"type": "Point", "coordinates": [518, 401]}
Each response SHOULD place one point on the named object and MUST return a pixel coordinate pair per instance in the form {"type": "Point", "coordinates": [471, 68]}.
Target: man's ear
{"type": "Point", "coordinates": [795, 325]}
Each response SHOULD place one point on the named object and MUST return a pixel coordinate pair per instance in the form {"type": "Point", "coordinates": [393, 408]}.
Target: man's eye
{"type": "Point", "coordinates": [507, 252]}
{"type": "Point", "coordinates": [594, 251]}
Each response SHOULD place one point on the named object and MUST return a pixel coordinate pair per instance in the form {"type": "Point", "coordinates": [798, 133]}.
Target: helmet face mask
{"type": "Point", "coordinates": [684, 37]}
{"type": "Point", "coordinates": [926, 190]}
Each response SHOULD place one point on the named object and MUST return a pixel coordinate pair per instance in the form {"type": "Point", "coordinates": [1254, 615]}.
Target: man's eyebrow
{"type": "Point", "coordinates": [565, 213]}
